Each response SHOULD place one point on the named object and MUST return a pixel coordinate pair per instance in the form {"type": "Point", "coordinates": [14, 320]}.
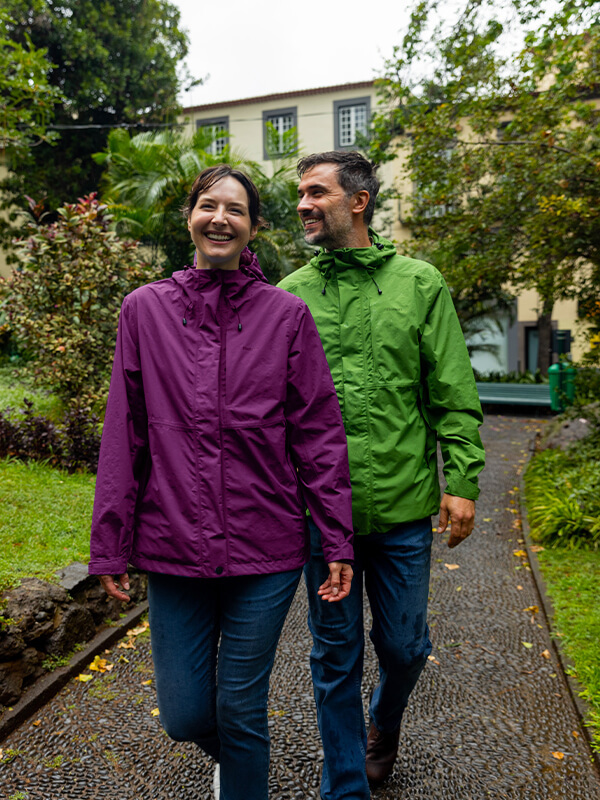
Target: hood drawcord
{"type": "Point", "coordinates": [188, 308]}
{"type": "Point", "coordinates": [375, 282]}
{"type": "Point", "coordinates": [235, 311]}
{"type": "Point", "coordinates": [325, 286]}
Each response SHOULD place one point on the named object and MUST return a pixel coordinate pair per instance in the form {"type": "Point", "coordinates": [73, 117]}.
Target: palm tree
{"type": "Point", "coordinates": [149, 176]}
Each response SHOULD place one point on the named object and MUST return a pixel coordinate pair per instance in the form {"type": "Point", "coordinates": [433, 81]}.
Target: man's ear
{"type": "Point", "coordinates": [360, 201]}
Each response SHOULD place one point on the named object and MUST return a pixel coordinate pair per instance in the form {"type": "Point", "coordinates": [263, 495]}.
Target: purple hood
{"type": "Point", "coordinates": [222, 425]}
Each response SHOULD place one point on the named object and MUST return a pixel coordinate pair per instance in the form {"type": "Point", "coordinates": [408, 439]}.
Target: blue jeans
{"type": "Point", "coordinates": [395, 569]}
{"type": "Point", "coordinates": [215, 694]}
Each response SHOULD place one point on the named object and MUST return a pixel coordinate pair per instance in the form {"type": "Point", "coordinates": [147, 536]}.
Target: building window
{"type": "Point", "coordinates": [215, 128]}
{"type": "Point", "coordinates": [350, 118]}
{"type": "Point", "coordinates": [279, 133]}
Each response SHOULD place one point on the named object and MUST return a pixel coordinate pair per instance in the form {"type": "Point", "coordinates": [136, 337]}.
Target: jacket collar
{"type": "Point", "coordinates": [368, 258]}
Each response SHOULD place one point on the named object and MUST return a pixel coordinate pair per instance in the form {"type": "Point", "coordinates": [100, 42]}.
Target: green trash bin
{"type": "Point", "coordinates": [562, 385]}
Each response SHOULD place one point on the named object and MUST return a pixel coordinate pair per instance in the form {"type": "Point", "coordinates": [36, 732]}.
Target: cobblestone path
{"type": "Point", "coordinates": [483, 724]}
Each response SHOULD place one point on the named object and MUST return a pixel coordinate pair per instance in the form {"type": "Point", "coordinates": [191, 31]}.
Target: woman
{"type": "Point", "coordinates": [222, 423]}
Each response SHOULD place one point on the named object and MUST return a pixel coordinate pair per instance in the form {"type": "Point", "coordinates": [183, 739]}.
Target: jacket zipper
{"type": "Point", "coordinates": [221, 403]}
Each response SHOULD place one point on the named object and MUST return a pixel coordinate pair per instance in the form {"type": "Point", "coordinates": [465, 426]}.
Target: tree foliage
{"type": "Point", "coordinates": [62, 302]}
{"type": "Point", "coordinates": [149, 176]}
{"type": "Point", "coordinates": [502, 146]}
{"type": "Point", "coordinates": [116, 63]}
{"type": "Point", "coordinates": [26, 97]}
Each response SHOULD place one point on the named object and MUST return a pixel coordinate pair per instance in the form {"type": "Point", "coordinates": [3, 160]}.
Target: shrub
{"type": "Point", "coordinates": [62, 301]}
{"type": "Point", "coordinates": [510, 377]}
{"type": "Point", "coordinates": [72, 444]}
{"type": "Point", "coordinates": [563, 495]}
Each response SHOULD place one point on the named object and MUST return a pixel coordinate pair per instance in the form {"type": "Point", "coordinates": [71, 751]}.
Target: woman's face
{"type": "Point", "coordinates": [220, 225]}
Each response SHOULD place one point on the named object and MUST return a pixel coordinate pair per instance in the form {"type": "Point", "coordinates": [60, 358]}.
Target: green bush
{"type": "Point", "coordinates": [510, 377]}
{"type": "Point", "coordinates": [587, 384]}
{"type": "Point", "coordinates": [62, 301]}
{"type": "Point", "coordinates": [563, 495]}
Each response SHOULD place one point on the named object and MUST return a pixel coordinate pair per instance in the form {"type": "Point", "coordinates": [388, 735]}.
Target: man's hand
{"type": "Point", "coordinates": [461, 513]}
{"type": "Point", "coordinates": [110, 586]}
{"type": "Point", "coordinates": [337, 585]}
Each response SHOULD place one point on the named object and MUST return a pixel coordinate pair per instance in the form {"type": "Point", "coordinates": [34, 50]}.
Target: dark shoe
{"type": "Point", "coordinates": [382, 749]}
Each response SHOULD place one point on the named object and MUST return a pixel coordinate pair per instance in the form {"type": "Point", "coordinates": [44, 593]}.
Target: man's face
{"type": "Point", "coordinates": [324, 209]}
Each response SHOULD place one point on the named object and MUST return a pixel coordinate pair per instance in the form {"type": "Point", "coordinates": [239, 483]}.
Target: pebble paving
{"type": "Point", "coordinates": [491, 718]}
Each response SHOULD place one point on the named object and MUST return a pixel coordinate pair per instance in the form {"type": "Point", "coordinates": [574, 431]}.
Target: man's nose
{"type": "Point", "coordinates": [303, 205]}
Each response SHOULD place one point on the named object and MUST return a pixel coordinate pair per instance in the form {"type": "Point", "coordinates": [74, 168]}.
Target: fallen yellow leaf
{"type": "Point", "coordinates": [434, 659]}
{"type": "Point", "coordinates": [37, 722]}
{"type": "Point", "coordinates": [155, 712]}
{"type": "Point", "coordinates": [520, 553]}
{"type": "Point", "coordinates": [100, 665]}
{"type": "Point", "coordinates": [128, 645]}
{"type": "Point", "coordinates": [576, 734]}
{"type": "Point", "coordinates": [147, 683]}
{"type": "Point", "coordinates": [487, 519]}
{"type": "Point", "coordinates": [528, 645]}
{"type": "Point", "coordinates": [520, 588]}
{"type": "Point", "coordinates": [532, 609]}
{"type": "Point", "coordinates": [458, 588]}
{"type": "Point", "coordinates": [537, 548]}
{"type": "Point", "coordinates": [140, 629]}
{"type": "Point", "coordinates": [558, 755]}
{"type": "Point", "coordinates": [452, 566]}
{"type": "Point", "coordinates": [546, 653]}
{"type": "Point", "coordinates": [84, 678]}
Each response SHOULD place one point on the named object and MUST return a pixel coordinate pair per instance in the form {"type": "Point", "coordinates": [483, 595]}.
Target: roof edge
{"type": "Point", "coordinates": [280, 96]}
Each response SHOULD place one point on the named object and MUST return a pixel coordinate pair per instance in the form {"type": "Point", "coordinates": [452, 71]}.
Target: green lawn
{"type": "Point", "coordinates": [45, 520]}
{"type": "Point", "coordinates": [562, 495]}
{"type": "Point", "coordinates": [14, 387]}
{"type": "Point", "coordinates": [572, 578]}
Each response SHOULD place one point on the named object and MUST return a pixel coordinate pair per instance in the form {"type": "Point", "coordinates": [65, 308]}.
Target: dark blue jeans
{"type": "Point", "coordinates": [215, 692]}
{"type": "Point", "coordinates": [395, 569]}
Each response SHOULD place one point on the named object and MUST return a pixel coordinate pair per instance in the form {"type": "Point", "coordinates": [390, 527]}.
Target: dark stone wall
{"type": "Point", "coordinates": [40, 619]}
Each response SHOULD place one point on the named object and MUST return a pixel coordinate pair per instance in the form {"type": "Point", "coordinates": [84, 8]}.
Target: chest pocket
{"type": "Point", "coordinates": [394, 341]}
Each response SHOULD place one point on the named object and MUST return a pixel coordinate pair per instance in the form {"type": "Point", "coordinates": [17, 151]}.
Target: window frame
{"type": "Point", "coordinates": [268, 116]}
{"type": "Point", "coordinates": [208, 122]}
{"type": "Point", "coordinates": [352, 102]}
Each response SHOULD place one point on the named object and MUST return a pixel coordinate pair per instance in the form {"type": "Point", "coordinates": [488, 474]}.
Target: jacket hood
{"type": "Point", "coordinates": [249, 267]}
{"type": "Point", "coordinates": [369, 258]}
{"type": "Point", "coordinates": [233, 281]}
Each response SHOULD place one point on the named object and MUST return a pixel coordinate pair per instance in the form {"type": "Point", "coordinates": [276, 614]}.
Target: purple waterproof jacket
{"type": "Point", "coordinates": [222, 423]}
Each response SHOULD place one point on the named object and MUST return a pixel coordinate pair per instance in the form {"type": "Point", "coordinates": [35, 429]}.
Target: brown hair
{"type": "Point", "coordinates": [354, 173]}
{"type": "Point", "coordinates": [209, 176]}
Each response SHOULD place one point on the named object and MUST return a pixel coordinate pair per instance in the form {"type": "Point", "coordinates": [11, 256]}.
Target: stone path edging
{"type": "Point", "coordinates": [46, 687]}
{"type": "Point", "coordinates": [582, 707]}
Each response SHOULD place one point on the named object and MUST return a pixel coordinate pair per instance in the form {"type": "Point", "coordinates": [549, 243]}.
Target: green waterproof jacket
{"type": "Point", "coordinates": [403, 377]}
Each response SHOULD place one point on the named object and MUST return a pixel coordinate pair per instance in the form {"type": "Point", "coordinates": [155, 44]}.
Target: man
{"type": "Point", "coordinates": [404, 382]}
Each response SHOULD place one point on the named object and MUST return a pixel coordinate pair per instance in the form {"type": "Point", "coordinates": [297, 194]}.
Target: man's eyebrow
{"type": "Point", "coordinates": [311, 187]}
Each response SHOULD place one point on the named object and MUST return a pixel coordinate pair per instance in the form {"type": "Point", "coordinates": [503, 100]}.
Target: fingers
{"type": "Point", "coordinates": [461, 513]}
{"type": "Point", "coordinates": [110, 586]}
{"type": "Point", "coordinates": [443, 520]}
{"type": "Point", "coordinates": [337, 585]}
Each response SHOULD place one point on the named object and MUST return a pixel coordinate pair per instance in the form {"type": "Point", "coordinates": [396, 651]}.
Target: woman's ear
{"type": "Point", "coordinates": [253, 232]}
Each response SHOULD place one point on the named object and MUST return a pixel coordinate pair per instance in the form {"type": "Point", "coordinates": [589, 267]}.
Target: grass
{"type": "Point", "coordinates": [45, 520]}
{"type": "Point", "coordinates": [561, 493]}
{"type": "Point", "coordinates": [572, 581]}
{"type": "Point", "coordinates": [14, 386]}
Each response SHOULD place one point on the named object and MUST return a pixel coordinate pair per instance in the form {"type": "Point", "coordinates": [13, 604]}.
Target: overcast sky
{"type": "Point", "coordinates": [259, 47]}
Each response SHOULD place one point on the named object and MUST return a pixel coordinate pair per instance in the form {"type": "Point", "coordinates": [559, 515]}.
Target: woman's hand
{"type": "Point", "coordinates": [337, 585]}
{"type": "Point", "coordinates": [110, 586]}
